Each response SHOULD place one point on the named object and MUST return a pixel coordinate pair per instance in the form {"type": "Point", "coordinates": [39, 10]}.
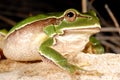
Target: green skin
{"type": "Point", "coordinates": [98, 48]}
{"type": "Point", "coordinates": [3, 32]}
{"type": "Point", "coordinates": [70, 19]}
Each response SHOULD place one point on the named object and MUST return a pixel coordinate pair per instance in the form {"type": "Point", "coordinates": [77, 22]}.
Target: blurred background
{"type": "Point", "coordinates": [13, 11]}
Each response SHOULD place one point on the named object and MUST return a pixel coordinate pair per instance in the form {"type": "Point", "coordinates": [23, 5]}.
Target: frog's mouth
{"type": "Point", "coordinates": [85, 30]}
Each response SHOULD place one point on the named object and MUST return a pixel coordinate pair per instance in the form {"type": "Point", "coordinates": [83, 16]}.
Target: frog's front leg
{"type": "Point", "coordinates": [46, 50]}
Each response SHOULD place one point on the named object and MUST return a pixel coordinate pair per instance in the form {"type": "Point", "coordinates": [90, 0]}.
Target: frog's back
{"type": "Point", "coordinates": [34, 19]}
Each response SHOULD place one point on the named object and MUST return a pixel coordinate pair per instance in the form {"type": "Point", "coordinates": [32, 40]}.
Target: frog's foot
{"type": "Point", "coordinates": [80, 71]}
{"type": "Point", "coordinates": [71, 68]}
{"type": "Point", "coordinates": [84, 64]}
{"type": "Point", "coordinates": [87, 72]}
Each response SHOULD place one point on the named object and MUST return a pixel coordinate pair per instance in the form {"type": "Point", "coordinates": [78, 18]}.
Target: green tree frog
{"type": "Point", "coordinates": [51, 36]}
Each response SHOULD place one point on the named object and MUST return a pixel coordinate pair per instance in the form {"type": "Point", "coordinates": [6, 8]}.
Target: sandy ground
{"type": "Point", "coordinates": [100, 67]}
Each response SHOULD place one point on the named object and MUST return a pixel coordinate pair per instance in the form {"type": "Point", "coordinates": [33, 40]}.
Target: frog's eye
{"type": "Point", "coordinates": [70, 16]}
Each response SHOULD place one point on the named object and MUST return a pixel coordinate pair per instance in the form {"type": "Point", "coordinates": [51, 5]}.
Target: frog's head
{"type": "Point", "coordinates": [74, 20]}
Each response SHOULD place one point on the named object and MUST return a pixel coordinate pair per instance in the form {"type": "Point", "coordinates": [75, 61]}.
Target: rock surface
{"type": "Point", "coordinates": [101, 67]}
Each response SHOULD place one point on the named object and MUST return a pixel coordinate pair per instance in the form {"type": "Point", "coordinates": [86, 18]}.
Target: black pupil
{"type": "Point", "coordinates": [70, 14]}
